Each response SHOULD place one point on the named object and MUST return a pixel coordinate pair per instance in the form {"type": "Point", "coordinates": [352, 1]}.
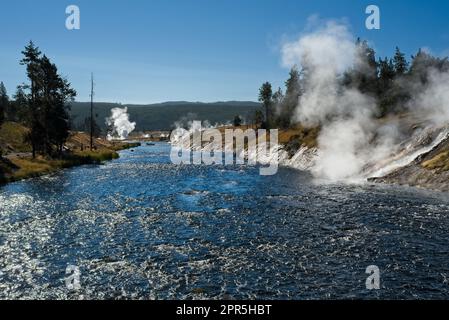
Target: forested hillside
{"type": "Point", "coordinates": [162, 116]}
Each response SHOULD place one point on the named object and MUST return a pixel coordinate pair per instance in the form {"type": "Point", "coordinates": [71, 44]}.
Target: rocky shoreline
{"type": "Point", "coordinates": [430, 170]}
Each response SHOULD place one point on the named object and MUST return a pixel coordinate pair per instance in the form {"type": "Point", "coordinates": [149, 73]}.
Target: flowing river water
{"type": "Point", "coordinates": [142, 228]}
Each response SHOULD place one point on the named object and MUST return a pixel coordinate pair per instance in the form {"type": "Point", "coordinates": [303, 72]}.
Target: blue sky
{"type": "Point", "coordinates": [146, 51]}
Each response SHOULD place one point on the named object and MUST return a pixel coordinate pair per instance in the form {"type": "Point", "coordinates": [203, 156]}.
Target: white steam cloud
{"type": "Point", "coordinates": [119, 124]}
{"type": "Point", "coordinates": [434, 100]}
{"type": "Point", "coordinates": [350, 138]}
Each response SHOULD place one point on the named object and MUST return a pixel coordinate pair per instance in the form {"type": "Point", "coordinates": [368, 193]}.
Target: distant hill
{"type": "Point", "coordinates": [162, 116]}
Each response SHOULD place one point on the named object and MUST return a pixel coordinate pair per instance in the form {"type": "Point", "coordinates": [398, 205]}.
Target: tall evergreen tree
{"type": "Point", "coordinates": [363, 75]}
{"type": "Point", "coordinates": [4, 102]}
{"type": "Point", "coordinates": [400, 63]}
{"type": "Point", "coordinates": [292, 94]}
{"type": "Point", "coordinates": [266, 97]}
{"type": "Point", "coordinates": [21, 106]}
{"type": "Point", "coordinates": [56, 93]}
{"type": "Point", "coordinates": [47, 103]}
{"type": "Point", "coordinates": [386, 94]}
{"type": "Point", "coordinates": [387, 73]}
{"type": "Point", "coordinates": [31, 59]}
{"type": "Point", "coordinates": [292, 84]}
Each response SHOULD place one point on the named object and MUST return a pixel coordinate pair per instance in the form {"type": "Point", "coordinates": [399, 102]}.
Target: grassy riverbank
{"type": "Point", "coordinates": [17, 163]}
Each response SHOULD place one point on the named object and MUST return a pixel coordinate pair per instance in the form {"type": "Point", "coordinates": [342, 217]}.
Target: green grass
{"type": "Point", "coordinates": [97, 156]}
{"type": "Point", "coordinates": [125, 145]}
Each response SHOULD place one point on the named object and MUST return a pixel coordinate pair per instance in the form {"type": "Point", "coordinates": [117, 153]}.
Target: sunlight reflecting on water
{"type": "Point", "coordinates": [140, 227]}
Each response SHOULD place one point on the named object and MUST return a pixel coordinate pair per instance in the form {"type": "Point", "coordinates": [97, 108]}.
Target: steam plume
{"type": "Point", "coordinates": [119, 124]}
{"type": "Point", "coordinates": [350, 139]}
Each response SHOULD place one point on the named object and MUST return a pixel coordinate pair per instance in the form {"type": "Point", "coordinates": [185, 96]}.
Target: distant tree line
{"type": "Point", "coordinates": [84, 126]}
{"type": "Point", "coordinates": [388, 80]}
{"type": "Point", "coordinates": [41, 104]}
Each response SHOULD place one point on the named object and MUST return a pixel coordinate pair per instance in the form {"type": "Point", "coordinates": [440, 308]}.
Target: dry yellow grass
{"type": "Point", "coordinates": [20, 165]}
{"type": "Point", "coordinates": [81, 141]}
{"type": "Point", "coordinates": [439, 162]}
{"type": "Point", "coordinates": [29, 168]}
{"type": "Point", "coordinates": [302, 135]}
{"type": "Point", "coordinates": [12, 137]}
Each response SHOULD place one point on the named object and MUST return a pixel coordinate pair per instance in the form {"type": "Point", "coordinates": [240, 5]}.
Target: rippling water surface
{"type": "Point", "coordinates": [142, 228]}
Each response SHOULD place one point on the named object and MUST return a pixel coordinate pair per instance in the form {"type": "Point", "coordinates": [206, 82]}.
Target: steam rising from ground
{"type": "Point", "coordinates": [434, 101]}
{"type": "Point", "coordinates": [119, 125]}
{"type": "Point", "coordinates": [350, 138]}
{"type": "Point", "coordinates": [191, 123]}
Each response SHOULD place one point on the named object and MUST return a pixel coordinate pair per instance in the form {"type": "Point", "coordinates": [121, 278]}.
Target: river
{"type": "Point", "coordinates": [142, 228]}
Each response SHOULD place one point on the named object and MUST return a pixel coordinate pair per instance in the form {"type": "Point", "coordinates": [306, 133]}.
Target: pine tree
{"type": "Point", "coordinates": [386, 94]}
{"type": "Point", "coordinates": [364, 75]}
{"type": "Point", "coordinates": [292, 94]}
{"type": "Point", "coordinates": [65, 95]}
{"type": "Point", "coordinates": [31, 60]}
{"type": "Point", "coordinates": [49, 95]}
{"type": "Point", "coordinates": [278, 97]}
{"type": "Point", "coordinates": [21, 106]}
{"type": "Point", "coordinates": [4, 102]}
{"type": "Point", "coordinates": [56, 93]}
{"type": "Point", "coordinates": [266, 97]}
{"type": "Point", "coordinates": [400, 63]}
{"type": "Point", "coordinates": [292, 84]}
{"type": "Point", "coordinates": [386, 73]}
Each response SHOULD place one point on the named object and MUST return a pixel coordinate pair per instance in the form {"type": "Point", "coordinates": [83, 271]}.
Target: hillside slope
{"type": "Point", "coordinates": [16, 161]}
{"type": "Point", "coordinates": [429, 170]}
{"type": "Point", "coordinates": [12, 138]}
